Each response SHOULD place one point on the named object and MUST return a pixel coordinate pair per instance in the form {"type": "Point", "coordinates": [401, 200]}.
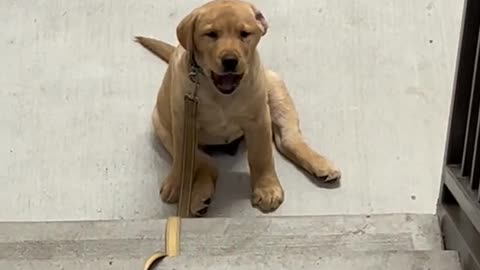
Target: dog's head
{"type": "Point", "coordinates": [223, 36]}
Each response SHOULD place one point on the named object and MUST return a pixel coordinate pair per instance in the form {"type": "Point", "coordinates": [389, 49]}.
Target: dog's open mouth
{"type": "Point", "coordinates": [226, 83]}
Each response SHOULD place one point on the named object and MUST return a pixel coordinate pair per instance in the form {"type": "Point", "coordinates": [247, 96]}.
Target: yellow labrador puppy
{"type": "Point", "coordinates": [238, 98]}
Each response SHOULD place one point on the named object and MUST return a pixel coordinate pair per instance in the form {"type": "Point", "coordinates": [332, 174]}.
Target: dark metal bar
{"type": "Point", "coordinates": [463, 82]}
{"type": "Point", "coordinates": [459, 201]}
{"type": "Point", "coordinates": [463, 195]}
{"type": "Point", "coordinates": [475, 170]}
{"type": "Point", "coordinates": [460, 235]}
{"type": "Point", "coordinates": [470, 145]}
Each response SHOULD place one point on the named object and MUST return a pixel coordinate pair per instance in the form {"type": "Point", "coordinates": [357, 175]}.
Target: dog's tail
{"type": "Point", "coordinates": [157, 47]}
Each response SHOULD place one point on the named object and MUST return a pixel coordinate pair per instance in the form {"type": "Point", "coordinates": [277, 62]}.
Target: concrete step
{"type": "Point", "coordinates": [371, 260]}
{"type": "Point", "coordinates": [322, 242]}
{"type": "Point", "coordinates": [220, 236]}
{"type": "Point", "coordinates": [308, 259]}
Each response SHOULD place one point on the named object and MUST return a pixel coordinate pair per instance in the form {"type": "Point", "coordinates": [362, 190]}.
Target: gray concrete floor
{"type": "Point", "coordinates": [371, 79]}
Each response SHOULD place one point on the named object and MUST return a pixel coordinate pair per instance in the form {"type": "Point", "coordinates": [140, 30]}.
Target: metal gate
{"type": "Point", "coordinates": [459, 204]}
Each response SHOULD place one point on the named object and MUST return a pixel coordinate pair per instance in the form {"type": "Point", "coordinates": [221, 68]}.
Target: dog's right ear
{"type": "Point", "coordinates": [185, 31]}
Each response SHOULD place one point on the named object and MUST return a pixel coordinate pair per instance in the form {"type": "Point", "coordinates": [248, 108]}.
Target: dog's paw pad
{"type": "Point", "coordinates": [202, 195]}
{"type": "Point", "coordinates": [201, 209]}
{"type": "Point", "coordinates": [202, 212]}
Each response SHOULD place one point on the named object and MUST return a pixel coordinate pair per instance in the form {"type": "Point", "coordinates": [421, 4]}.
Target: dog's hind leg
{"type": "Point", "coordinates": [287, 135]}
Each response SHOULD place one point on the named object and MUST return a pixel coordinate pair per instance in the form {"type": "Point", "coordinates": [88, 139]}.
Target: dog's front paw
{"type": "Point", "coordinates": [325, 170]}
{"type": "Point", "coordinates": [202, 195]}
{"type": "Point", "coordinates": [267, 197]}
{"type": "Point", "coordinates": [170, 191]}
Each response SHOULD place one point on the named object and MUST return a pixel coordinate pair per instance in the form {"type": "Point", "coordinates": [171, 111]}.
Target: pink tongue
{"type": "Point", "coordinates": [227, 81]}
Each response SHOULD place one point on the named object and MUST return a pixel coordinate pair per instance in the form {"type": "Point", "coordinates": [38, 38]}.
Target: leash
{"type": "Point", "coordinates": [174, 223]}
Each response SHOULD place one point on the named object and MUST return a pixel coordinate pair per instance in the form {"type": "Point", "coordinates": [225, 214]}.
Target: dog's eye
{"type": "Point", "coordinates": [244, 34]}
{"type": "Point", "coordinates": [212, 34]}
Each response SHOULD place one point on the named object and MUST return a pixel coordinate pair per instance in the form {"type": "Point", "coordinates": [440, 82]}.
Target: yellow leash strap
{"type": "Point", "coordinates": [173, 226]}
{"type": "Point", "coordinates": [189, 151]}
{"type": "Point", "coordinates": [172, 243]}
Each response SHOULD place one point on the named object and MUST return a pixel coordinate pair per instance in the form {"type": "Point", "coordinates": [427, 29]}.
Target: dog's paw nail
{"type": "Point", "coordinates": [329, 177]}
{"type": "Point", "coordinates": [332, 178]}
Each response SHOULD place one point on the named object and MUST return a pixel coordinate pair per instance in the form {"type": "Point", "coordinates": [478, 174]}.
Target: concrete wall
{"type": "Point", "coordinates": [371, 79]}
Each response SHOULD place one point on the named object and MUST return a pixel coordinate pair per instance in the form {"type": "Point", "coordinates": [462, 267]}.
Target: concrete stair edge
{"type": "Point", "coordinates": [379, 260]}
{"type": "Point", "coordinates": [422, 231]}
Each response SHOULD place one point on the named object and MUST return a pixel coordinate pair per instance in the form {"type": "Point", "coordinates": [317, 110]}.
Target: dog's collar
{"type": "Point", "coordinates": [194, 74]}
{"type": "Point", "coordinates": [195, 69]}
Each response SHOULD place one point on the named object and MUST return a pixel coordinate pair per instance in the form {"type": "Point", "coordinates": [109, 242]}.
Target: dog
{"type": "Point", "coordinates": [239, 99]}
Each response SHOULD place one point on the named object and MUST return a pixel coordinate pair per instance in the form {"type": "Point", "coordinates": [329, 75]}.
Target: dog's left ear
{"type": "Point", "coordinates": [261, 21]}
{"type": "Point", "coordinates": [185, 31]}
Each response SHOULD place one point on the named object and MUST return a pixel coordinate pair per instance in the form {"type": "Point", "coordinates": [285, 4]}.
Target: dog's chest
{"type": "Point", "coordinates": [217, 125]}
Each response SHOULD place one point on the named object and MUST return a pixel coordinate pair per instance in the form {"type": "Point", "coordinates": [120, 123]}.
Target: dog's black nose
{"type": "Point", "coordinates": [229, 63]}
